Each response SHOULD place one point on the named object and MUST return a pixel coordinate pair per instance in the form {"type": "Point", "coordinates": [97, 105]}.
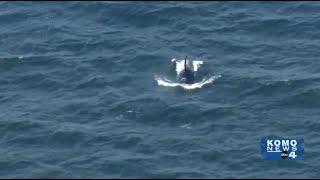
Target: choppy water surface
{"type": "Point", "coordinates": [79, 97]}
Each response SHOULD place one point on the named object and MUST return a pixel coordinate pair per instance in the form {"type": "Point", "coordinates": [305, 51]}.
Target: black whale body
{"type": "Point", "coordinates": [187, 75]}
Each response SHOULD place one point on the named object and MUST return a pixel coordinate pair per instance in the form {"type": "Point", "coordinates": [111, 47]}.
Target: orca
{"type": "Point", "coordinates": [186, 76]}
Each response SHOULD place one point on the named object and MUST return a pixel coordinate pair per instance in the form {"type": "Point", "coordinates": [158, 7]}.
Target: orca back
{"type": "Point", "coordinates": [187, 75]}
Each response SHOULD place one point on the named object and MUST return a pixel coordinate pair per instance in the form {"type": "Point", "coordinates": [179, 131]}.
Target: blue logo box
{"type": "Point", "coordinates": [278, 148]}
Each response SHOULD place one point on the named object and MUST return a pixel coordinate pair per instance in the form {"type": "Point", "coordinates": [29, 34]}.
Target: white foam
{"type": "Point", "coordinates": [186, 126]}
{"type": "Point", "coordinates": [180, 65]}
{"type": "Point", "coordinates": [196, 65]}
{"type": "Point", "coordinates": [168, 83]}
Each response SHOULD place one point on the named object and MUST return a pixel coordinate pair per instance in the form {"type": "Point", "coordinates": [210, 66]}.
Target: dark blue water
{"type": "Point", "coordinates": [78, 96]}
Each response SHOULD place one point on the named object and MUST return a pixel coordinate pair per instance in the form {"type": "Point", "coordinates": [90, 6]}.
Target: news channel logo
{"type": "Point", "coordinates": [277, 148]}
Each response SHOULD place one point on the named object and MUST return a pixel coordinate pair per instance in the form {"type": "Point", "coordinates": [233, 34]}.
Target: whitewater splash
{"type": "Point", "coordinates": [180, 65]}
{"type": "Point", "coordinates": [162, 81]}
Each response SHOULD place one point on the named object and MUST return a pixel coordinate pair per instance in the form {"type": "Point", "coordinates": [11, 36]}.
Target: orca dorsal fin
{"type": "Point", "coordinates": [185, 63]}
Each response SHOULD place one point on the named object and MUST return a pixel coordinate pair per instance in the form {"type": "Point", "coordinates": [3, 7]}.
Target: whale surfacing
{"type": "Point", "coordinates": [186, 76]}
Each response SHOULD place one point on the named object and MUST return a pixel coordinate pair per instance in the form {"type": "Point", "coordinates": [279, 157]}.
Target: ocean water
{"type": "Point", "coordinates": [79, 98]}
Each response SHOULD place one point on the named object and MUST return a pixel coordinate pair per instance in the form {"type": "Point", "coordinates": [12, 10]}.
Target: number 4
{"type": "Point", "coordinates": [293, 155]}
